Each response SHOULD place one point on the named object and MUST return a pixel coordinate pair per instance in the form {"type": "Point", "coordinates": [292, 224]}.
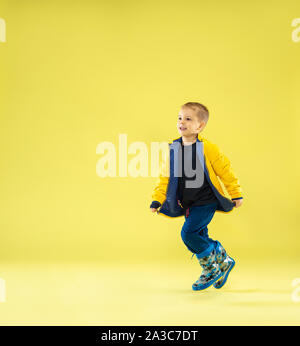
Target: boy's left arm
{"type": "Point", "coordinates": [223, 169]}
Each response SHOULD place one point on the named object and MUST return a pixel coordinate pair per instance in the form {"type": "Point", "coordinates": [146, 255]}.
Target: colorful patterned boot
{"type": "Point", "coordinates": [226, 264]}
{"type": "Point", "coordinates": [210, 274]}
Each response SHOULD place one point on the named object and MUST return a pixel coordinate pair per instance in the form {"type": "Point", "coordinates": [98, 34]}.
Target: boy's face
{"type": "Point", "coordinates": [188, 123]}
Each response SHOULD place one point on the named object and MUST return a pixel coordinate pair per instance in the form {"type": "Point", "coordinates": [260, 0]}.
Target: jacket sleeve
{"type": "Point", "coordinates": [155, 204]}
{"type": "Point", "coordinates": [223, 169]}
{"type": "Point", "coordinates": [160, 191]}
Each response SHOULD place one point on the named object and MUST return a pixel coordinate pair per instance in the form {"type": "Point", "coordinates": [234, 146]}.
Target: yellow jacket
{"type": "Point", "coordinates": [216, 165]}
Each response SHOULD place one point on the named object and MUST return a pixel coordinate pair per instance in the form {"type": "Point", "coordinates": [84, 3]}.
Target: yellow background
{"type": "Point", "coordinates": [77, 73]}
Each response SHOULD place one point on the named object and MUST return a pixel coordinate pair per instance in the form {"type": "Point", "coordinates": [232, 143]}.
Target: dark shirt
{"type": "Point", "coordinates": [192, 196]}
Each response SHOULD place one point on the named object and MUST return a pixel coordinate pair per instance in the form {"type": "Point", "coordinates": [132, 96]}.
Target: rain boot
{"type": "Point", "coordinates": [226, 264]}
{"type": "Point", "coordinates": [211, 271]}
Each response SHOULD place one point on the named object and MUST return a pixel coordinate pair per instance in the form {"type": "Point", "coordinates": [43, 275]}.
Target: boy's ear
{"type": "Point", "coordinates": [202, 125]}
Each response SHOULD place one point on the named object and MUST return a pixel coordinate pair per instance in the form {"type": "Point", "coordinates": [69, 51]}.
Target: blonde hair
{"type": "Point", "coordinates": [202, 111]}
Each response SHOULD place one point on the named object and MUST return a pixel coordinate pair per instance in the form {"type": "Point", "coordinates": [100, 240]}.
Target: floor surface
{"type": "Point", "coordinates": [147, 294]}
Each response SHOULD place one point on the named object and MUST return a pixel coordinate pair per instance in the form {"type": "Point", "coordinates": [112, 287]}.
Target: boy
{"type": "Point", "coordinates": [198, 197]}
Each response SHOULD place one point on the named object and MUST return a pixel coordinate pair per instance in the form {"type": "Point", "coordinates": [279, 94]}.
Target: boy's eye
{"type": "Point", "coordinates": [186, 118]}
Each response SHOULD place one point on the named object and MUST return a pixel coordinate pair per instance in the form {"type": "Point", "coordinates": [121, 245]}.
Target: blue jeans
{"type": "Point", "coordinates": [194, 231]}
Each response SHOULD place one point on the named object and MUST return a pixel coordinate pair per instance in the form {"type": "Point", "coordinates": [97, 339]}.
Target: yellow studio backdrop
{"type": "Point", "coordinates": [74, 74]}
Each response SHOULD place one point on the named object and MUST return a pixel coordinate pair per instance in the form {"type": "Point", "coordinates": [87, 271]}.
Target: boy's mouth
{"type": "Point", "coordinates": [182, 128]}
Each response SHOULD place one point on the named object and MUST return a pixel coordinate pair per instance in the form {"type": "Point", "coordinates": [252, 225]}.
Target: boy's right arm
{"type": "Point", "coordinates": [160, 191]}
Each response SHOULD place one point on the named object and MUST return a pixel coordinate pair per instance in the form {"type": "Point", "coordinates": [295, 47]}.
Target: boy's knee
{"type": "Point", "coordinates": [184, 234]}
{"type": "Point", "coordinates": [189, 236]}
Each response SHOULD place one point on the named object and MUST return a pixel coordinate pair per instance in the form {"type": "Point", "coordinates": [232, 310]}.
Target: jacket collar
{"type": "Point", "coordinates": [179, 139]}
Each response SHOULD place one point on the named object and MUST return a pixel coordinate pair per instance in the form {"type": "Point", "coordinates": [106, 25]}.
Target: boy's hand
{"type": "Point", "coordinates": [154, 206]}
{"type": "Point", "coordinates": [238, 202]}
